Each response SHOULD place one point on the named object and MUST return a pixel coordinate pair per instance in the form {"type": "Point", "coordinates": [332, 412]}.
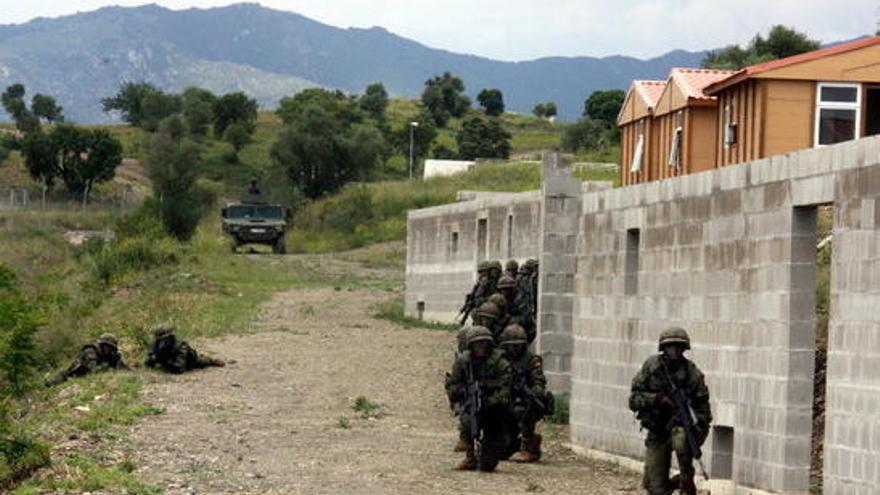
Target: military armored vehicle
{"type": "Point", "coordinates": [254, 220]}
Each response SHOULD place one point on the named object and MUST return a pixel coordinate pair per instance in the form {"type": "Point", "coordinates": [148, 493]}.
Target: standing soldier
{"type": "Point", "coordinates": [103, 355]}
{"type": "Point", "coordinates": [478, 294]}
{"type": "Point", "coordinates": [531, 400]}
{"type": "Point", "coordinates": [478, 388]}
{"type": "Point", "coordinates": [516, 307]}
{"type": "Point", "coordinates": [527, 285]}
{"type": "Point", "coordinates": [173, 355]}
{"type": "Point", "coordinates": [511, 269]}
{"type": "Point", "coordinates": [652, 400]}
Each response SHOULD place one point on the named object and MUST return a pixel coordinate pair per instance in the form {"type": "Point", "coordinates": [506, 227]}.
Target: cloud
{"type": "Point", "coordinates": [527, 29]}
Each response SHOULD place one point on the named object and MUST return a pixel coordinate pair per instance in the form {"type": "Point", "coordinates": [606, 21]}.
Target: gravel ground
{"type": "Point", "coordinates": [271, 423]}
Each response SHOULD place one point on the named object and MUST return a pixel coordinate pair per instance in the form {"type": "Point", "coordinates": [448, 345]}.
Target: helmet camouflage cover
{"type": "Point", "coordinates": [675, 335]}
{"type": "Point", "coordinates": [488, 310]}
{"type": "Point", "coordinates": [483, 266]}
{"type": "Point", "coordinates": [496, 265]}
{"type": "Point", "coordinates": [477, 333]}
{"type": "Point", "coordinates": [498, 300]}
{"type": "Point", "coordinates": [163, 331]}
{"type": "Point", "coordinates": [108, 339]}
{"type": "Point", "coordinates": [512, 266]}
{"type": "Point", "coordinates": [512, 335]}
{"type": "Point", "coordinates": [506, 282]}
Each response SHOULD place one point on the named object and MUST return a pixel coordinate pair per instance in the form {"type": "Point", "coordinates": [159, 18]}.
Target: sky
{"type": "Point", "coordinates": [516, 30]}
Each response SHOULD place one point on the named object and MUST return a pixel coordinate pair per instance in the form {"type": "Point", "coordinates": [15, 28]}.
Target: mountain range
{"type": "Point", "coordinates": [268, 53]}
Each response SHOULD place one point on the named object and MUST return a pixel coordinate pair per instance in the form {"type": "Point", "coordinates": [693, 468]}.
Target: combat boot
{"type": "Point", "coordinates": [470, 461]}
{"type": "Point", "coordinates": [531, 450]}
{"type": "Point", "coordinates": [462, 445]}
{"type": "Point", "coordinates": [687, 486]}
{"type": "Point", "coordinates": [218, 362]}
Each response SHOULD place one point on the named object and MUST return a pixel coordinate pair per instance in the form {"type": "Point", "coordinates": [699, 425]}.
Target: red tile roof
{"type": "Point", "coordinates": [794, 59]}
{"type": "Point", "coordinates": [650, 91]}
{"type": "Point", "coordinates": [693, 81]}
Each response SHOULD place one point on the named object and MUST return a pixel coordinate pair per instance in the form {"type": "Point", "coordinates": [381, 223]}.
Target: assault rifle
{"type": "Point", "coordinates": [521, 389]}
{"type": "Point", "coordinates": [683, 413]}
{"type": "Point", "coordinates": [469, 303]}
{"type": "Point", "coordinates": [471, 406]}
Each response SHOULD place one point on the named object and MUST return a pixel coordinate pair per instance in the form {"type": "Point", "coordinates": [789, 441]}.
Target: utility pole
{"type": "Point", "coordinates": [412, 126]}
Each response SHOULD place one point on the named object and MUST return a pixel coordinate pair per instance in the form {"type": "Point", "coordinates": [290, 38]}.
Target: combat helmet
{"type": "Point", "coordinates": [511, 267]}
{"type": "Point", "coordinates": [163, 331]}
{"type": "Point", "coordinates": [531, 264]}
{"type": "Point", "coordinates": [108, 339]}
{"type": "Point", "coordinates": [477, 333]}
{"type": "Point", "coordinates": [488, 310]}
{"type": "Point", "coordinates": [483, 266]}
{"type": "Point", "coordinates": [499, 301]}
{"type": "Point", "coordinates": [675, 335]}
{"type": "Point", "coordinates": [506, 282]}
{"type": "Point", "coordinates": [513, 335]}
{"type": "Point", "coordinates": [495, 265]}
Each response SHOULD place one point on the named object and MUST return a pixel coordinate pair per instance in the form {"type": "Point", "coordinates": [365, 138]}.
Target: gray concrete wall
{"type": "Point", "coordinates": [441, 272]}
{"type": "Point", "coordinates": [730, 255]}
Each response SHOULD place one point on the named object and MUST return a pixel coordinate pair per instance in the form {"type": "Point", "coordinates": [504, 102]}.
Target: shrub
{"type": "Point", "coordinates": [560, 411]}
{"type": "Point", "coordinates": [130, 255]}
{"type": "Point", "coordinates": [19, 322]}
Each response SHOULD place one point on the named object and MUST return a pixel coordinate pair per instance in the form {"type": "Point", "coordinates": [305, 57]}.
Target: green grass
{"type": "Point", "coordinates": [560, 410]}
{"type": "Point", "coordinates": [392, 310]}
{"type": "Point", "coordinates": [366, 408]}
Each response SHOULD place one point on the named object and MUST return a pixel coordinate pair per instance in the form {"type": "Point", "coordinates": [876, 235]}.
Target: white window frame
{"type": "Point", "coordinates": [675, 148]}
{"type": "Point", "coordinates": [857, 106]}
{"type": "Point", "coordinates": [638, 155]}
{"type": "Point", "coordinates": [729, 124]}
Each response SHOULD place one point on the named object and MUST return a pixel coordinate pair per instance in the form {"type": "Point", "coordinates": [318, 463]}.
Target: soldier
{"type": "Point", "coordinates": [650, 399]}
{"type": "Point", "coordinates": [478, 293]}
{"type": "Point", "coordinates": [253, 188]}
{"type": "Point", "coordinates": [527, 285]}
{"type": "Point", "coordinates": [531, 400]}
{"type": "Point", "coordinates": [484, 367]}
{"type": "Point", "coordinates": [516, 307]}
{"type": "Point", "coordinates": [487, 315]}
{"type": "Point", "coordinates": [173, 355]}
{"type": "Point", "coordinates": [511, 269]}
{"type": "Point", "coordinates": [103, 355]}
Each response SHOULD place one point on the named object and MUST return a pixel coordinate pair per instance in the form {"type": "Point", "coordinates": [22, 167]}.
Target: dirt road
{"type": "Point", "coordinates": [280, 420]}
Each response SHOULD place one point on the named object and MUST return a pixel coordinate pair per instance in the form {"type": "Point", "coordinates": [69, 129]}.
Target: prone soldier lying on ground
{"type": "Point", "coordinates": [174, 355]}
{"type": "Point", "coordinates": [478, 388]}
{"type": "Point", "coordinates": [531, 400]}
{"type": "Point", "coordinates": [103, 355]}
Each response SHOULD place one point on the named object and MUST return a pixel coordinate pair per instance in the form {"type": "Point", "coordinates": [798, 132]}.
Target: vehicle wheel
{"type": "Point", "coordinates": [233, 246]}
{"type": "Point", "coordinates": [280, 246]}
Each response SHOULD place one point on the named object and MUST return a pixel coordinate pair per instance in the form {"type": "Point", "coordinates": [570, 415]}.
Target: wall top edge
{"type": "Point", "coordinates": [477, 200]}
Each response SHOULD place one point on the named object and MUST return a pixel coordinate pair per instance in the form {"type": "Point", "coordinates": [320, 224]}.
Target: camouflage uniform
{"type": "Point", "coordinates": [516, 308]}
{"type": "Point", "coordinates": [531, 400]}
{"type": "Point", "coordinates": [173, 355]}
{"type": "Point", "coordinates": [488, 315]}
{"type": "Point", "coordinates": [488, 282]}
{"type": "Point", "coordinates": [493, 373]}
{"type": "Point", "coordinates": [511, 269]}
{"type": "Point", "coordinates": [103, 355]}
{"type": "Point", "coordinates": [649, 400]}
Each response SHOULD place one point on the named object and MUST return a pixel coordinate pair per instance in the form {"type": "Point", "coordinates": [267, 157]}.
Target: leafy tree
{"type": "Point", "coordinates": [198, 110]}
{"type": "Point", "coordinates": [423, 136]}
{"type": "Point", "coordinates": [781, 42]}
{"type": "Point", "coordinates": [234, 107]}
{"type": "Point", "coordinates": [238, 136]}
{"type": "Point", "coordinates": [172, 163]}
{"type": "Point", "coordinates": [320, 152]}
{"type": "Point", "coordinates": [129, 101]}
{"type": "Point", "coordinates": [85, 157]}
{"type": "Point", "coordinates": [375, 101]}
{"type": "Point", "coordinates": [482, 138]}
{"type": "Point", "coordinates": [604, 105]}
{"type": "Point", "coordinates": [492, 101]}
{"type": "Point", "coordinates": [337, 103]}
{"type": "Point", "coordinates": [41, 159]}
{"type": "Point", "coordinates": [544, 110]}
{"type": "Point", "coordinates": [443, 152]}
{"type": "Point", "coordinates": [587, 134]}
{"type": "Point", "coordinates": [444, 98]}
{"type": "Point", "coordinates": [13, 100]}
{"type": "Point", "coordinates": [46, 108]}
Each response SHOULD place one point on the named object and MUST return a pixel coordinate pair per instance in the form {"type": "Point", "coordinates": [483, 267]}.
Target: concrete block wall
{"type": "Point", "coordinates": [441, 271]}
{"type": "Point", "coordinates": [730, 255]}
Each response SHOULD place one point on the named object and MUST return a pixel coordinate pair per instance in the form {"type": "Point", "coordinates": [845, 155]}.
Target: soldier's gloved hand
{"type": "Point", "coordinates": [519, 410]}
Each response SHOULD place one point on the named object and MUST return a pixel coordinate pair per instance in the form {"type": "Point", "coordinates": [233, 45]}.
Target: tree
{"type": "Point", "coordinates": [238, 136]}
{"type": "Point", "coordinates": [604, 105]}
{"type": "Point", "coordinates": [14, 104]}
{"type": "Point", "coordinates": [444, 98]}
{"type": "Point", "coordinates": [41, 160]}
{"type": "Point", "coordinates": [234, 107]}
{"type": "Point", "coordinates": [586, 134]}
{"type": "Point", "coordinates": [45, 107]}
{"type": "Point", "coordinates": [482, 138]}
{"type": "Point", "coordinates": [198, 110]}
{"type": "Point", "coordinates": [337, 103]}
{"type": "Point", "coordinates": [781, 42]}
{"type": "Point", "coordinates": [423, 136]}
{"type": "Point", "coordinates": [544, 110]}
{"type": "Point", "coordinates": [85, 157]}
{"type": "Point", "coordinates": [375, 101]}
{"type": "Point", "coordinates": [492, 101]}
{"type": "Point", "coordinates": [320, 152]}
{"type": "Point", "coordinates": [129, 101]}
{"type": "Point", "coordinates": [172, 163]}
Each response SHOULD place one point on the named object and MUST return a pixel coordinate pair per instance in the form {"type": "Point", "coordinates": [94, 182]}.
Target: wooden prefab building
{"type": "Point", "coordinates": [812, 99]}
{"type": "Point", "coordinates": [637, 141]}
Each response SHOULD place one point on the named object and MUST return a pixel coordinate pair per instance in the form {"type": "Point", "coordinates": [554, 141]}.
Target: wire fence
{"type": "Point", "coordinates": [14, 198]}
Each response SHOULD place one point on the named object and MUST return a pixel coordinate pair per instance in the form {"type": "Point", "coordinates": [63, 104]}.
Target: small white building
{"type": "Point", "coordinates": [438, 168]}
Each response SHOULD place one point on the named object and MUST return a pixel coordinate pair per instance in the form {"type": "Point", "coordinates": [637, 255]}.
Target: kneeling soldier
{"type": "Point", "coordinates": [479, 389]}
{"type": "Point", "coordinates": [103, 355]}
{"type": "Point", "coordinates": [531, 400]}
{"type": "Point", "coordinates": [652, 399]}
{"type": "Point", "coordinates": [173, 355]}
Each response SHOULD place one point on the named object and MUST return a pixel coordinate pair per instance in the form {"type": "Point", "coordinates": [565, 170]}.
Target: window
{"type": "Point", "coordinates": [837, 113]}
{"type": "Point", "coordinates": [482, 238]}
{"type": "Point", "coordinates": [631, 262]}
{"type": "Point", "coordinates": [639, 153]}
{"type": "Point", "coordinates": [729, 124]}
{"type": "Point", "coordinates": [675, 149]}
{"type": "Point", "coordinates": [510, 235]}
{"type": "Point", "coordinates": [454, 242]}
